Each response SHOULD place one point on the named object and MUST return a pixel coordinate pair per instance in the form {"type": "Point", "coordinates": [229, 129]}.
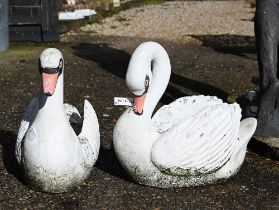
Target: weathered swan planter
{"type": "Point", "coordinates": [193, 141]}
{"type": "Point", "coordinates": [53, 158]}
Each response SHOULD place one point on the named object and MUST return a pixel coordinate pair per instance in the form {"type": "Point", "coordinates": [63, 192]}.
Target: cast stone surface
{"type": "Point", "coordinates": [192, 141]}
{"type": "Point", "coordinates": [52, 156]}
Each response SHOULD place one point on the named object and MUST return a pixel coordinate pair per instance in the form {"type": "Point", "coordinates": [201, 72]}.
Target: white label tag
{"type": "Point", "coordinates": [120, 101]}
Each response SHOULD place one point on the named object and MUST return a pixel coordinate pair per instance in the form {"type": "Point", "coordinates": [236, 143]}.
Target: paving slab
{"type": "Point", "coordinates": [267, 146]}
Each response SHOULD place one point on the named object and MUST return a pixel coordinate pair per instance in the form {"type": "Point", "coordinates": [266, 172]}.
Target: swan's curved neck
{"type": "Point", "coordinates": [145, 55]}
{"type": "Point", "coordinates": [53, 104]}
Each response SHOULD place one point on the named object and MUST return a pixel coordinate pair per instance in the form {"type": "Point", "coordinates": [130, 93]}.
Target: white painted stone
{"type": "Point", "coordinates": [76, 15]}
{"type": "Point", "coordinates": [195, 140]}
{"type": "Point", "coordinates": [53, 158]}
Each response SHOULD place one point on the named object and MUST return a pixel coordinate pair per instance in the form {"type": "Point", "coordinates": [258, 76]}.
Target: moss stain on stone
{"type": "Point", "coordinates": [177, 171]}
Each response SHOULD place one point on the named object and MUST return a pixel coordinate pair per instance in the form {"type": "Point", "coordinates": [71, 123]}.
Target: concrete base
{"type": "Point", "coordinates": [267, 146]}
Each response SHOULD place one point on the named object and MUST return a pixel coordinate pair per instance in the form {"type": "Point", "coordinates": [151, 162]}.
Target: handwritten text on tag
{"type": "Point", "coordinates": [120, 101]}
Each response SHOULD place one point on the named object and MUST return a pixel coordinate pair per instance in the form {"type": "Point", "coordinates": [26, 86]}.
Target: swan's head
{"type": "Point", "coordinates": [148, 76]}
{"type": "Point", "coordinates": [139, 76]}
{"type": "Point", "coordinates": [51, 66]}
{"type": "Point", "coordinates": [139, 88]}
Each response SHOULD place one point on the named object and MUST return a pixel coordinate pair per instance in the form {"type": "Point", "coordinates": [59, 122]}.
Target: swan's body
{"type": "Point", "coordinates": [53, 157]}
{"type": "Point", "coordinates": [193, 141]}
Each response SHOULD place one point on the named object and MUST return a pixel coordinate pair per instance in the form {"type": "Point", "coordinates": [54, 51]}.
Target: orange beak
{"type": "Point", "coordinates": [49, 83]}
{"type": "Point", "coordinates": [139, 103]}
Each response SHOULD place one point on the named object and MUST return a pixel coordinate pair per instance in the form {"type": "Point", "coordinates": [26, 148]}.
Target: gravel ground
{"type": "Point", "coordinates": [177, 19]}
{"type": "Point", "coordinates": [222, 63]}
{"type": "Point", "coordinates": [99, 66]}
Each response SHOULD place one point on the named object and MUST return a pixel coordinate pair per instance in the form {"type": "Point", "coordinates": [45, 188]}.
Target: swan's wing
{"type": "Point", "coordinates": [73, 117]}
{"type": "Point", "coordinates": [174, 114]}
{"type": "Point", "coordinates": [202, 143]}
{"type": "Point", "coordinates": [28, 118]}
{"type": "Point", "coordinates": [90, 136]}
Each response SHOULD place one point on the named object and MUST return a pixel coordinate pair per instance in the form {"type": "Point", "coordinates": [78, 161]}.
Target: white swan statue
{"type": "Point", "coordinates": [52, 156]}
{"type": "Point", "coordinates": [193, 141]}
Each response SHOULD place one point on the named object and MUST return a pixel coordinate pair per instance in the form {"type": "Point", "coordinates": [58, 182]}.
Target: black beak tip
{"type": "Point", "coordinates": [48, 94]}
{"type": "Point", "coordinates": [139, 113]}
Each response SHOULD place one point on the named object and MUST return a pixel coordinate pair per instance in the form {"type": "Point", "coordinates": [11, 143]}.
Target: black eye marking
{"type": "Point", "coordinates": [48, 70]}
{"type": "Point", "coordinates": [146, 83]}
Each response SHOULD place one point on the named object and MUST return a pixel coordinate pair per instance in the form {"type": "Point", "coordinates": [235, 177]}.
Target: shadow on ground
{"type": "Point", "coordinates": [173, 93]}
{"type": "Point", "coordinates": [113, 60]}
{"type": "Point", "coordinates": [8, 141]}
{"type": "Point", "coordinates": [262, 149]}
{"type": "Point", "coordinates": [116, 62]}
{"type": "Point", "coordinates": [108, 163]}
{"type": "Point", "coordinates": [230, 44]}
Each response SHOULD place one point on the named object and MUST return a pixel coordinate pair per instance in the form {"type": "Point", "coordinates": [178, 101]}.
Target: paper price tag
{"type": "Point", "coordinates": [120, 101]}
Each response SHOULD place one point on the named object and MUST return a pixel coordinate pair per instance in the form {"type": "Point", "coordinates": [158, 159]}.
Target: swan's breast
{"type": "Point", "coordinates": [133, 138]}
{"type": "Point", "coordinates": [51, 146]}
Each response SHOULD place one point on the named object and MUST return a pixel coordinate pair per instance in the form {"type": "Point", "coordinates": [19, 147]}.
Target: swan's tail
{"type": "Point", "coordinates": [90, 134]}
{"type": "Point", "coordinates": [246, 131]}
